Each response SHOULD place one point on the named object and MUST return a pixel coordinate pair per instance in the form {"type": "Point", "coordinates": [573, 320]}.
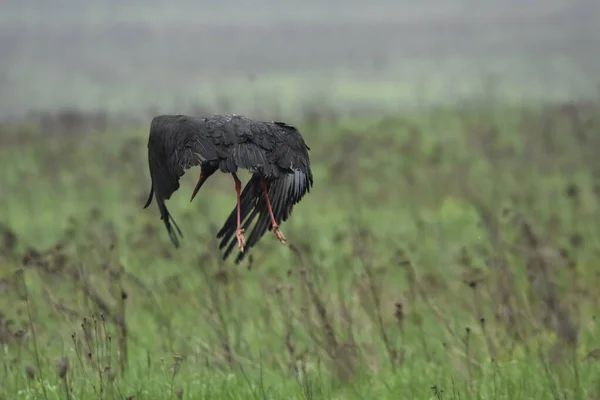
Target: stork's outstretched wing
{"type": "Point", "coordinates": [177, 143]}
{"type": "Point", "coordinates": [287, 155]}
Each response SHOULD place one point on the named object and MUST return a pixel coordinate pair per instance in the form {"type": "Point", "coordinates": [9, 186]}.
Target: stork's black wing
{"type": "Point", "coordinates": [274, 150]}
{"type": "Point", "coordinates": [177, 143]}
{"type": "Point", "coordinates": [287, 154]}
{"type": "Point", "coordinates": [284, 193]}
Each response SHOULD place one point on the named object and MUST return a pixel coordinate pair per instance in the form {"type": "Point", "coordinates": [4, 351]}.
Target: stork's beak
{"type": "Point", "coordinates": [199, 184]}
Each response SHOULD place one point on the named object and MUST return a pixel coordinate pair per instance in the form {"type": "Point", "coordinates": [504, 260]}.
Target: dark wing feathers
{"type": "Point", "coordinates": [273, 150]}
{"type": "Point", "coordinates": [289, 178]}
{"type": "Point", "coordinates": [284, 193]}
{"type": "Point", "coordinates": [252, 157]}
{"type": "Point", "coordinates": [176, 143]}
{"type": "Point", "coordinates": [290, 151]}
{"type": "Point", "coordinates": [247, 156]}
{"type": "Point", "coordinates": [249, 197]}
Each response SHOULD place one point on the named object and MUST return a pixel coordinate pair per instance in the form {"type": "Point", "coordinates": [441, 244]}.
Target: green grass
{"type": "Point", "coordinates": [443, 254]}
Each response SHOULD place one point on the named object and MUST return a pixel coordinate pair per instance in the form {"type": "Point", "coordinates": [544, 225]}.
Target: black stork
{"type": "Point", "coordinates": [274, 152]}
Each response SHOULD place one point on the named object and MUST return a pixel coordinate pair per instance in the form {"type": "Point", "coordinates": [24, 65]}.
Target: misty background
{"type": "Point", "coordinates": [278, 57]}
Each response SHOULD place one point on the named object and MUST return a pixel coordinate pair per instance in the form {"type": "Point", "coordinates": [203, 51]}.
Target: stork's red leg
{"type": "Point", "coordinates": [239, 234]}
{"type": "Point", "coordinates": [201, 180]}
{"type": "Point", "coordinates": [276, 230]}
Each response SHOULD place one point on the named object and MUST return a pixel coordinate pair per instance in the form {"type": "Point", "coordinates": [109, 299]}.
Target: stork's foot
{"type": "Point", "coordinates": [279, 235]}
{"type": "Point", "coordinates": [239, 234]}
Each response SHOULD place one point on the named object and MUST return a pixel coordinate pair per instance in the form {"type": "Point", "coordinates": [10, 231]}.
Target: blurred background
{"type": "Point", "coordinates": [448, 248]}
{"type": "Point", "coordinates": [280, 56]}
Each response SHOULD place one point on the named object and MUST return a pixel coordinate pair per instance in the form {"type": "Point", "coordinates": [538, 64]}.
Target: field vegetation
{"type": "Point", "coordinates": [447, 250]}
{"type": "Point", "coordinates": [442, 254]}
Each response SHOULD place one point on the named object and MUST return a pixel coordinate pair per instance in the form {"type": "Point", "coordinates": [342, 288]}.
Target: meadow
{"type": "Point", "coordinates": [442, 254]}
{"type": "Point", "coordinates": [447, 249]}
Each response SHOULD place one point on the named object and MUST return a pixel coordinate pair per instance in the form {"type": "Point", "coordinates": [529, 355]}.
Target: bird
{"type": "Point", "coordinates": [274, 152]}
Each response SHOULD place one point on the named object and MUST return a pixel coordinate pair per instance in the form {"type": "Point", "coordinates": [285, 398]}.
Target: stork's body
{"type": "Point", "coordinates": [274, 152]}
